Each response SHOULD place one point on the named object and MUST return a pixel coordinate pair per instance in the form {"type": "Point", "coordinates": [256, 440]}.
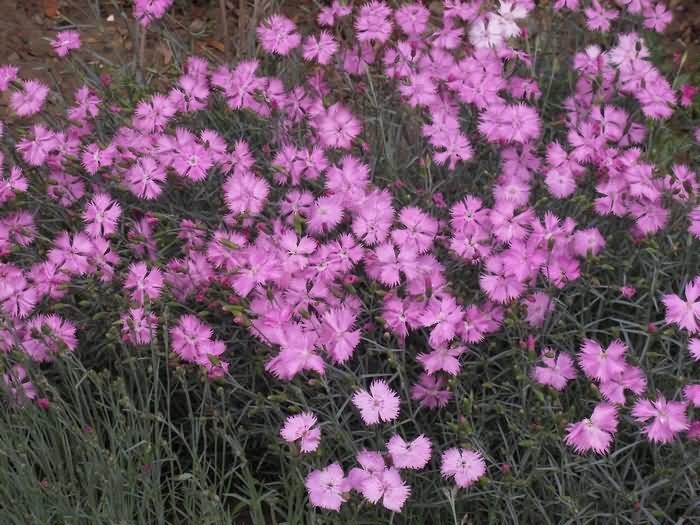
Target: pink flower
{"type": "Point", "coordinates": [301, 427]}
{"type": "Point", "coordinates": [594, 433]}
{"type": "Point", "coordinates": [692, 394]}
{"type": "Point", "coordinates": [153, 116]}
{"type": "Point", "coordinates": [443, 359]}
{"type": "Point", "coordinates": [628, 291]}
{"type": "Point", "coordinates": [598, 17]}
{"type": "Point", "coordinates": [412, 18]}
{"type": "Point", "coordinates": [602, 364]}
{"type": "Point", "coordinates": [101, 214]}
{"type": "Point", "coordinates": [668, 418]}
{"type": "Point", "coordinates": [144, 178]}
{"type": "Point", "coordinates": [31, 99]}
{"type": "Point", "coordinates": [685, 314]}
{"type": "Point", "coordinates": [412, 455]}
{"type": "Point", "coordinates": [589, 241]}
{"type": "Point", "coordinates": [688, 92]}
{"type": "Point", "coordinates": [464, 465]}
{"type": "Point", "coordinates": [139, 327]}
{"type": "Point", "coordinates": [539, 305]}
{"type": "Point", "coordinates": [8, 74]}
{"type": "Point", "coordinates": [430, 391]}
{"type": "Point", "coordinates": [278, 35]}
{"type": "Point", "coordinates": [631, 378]}
{"type": "Point", "coordinates": [694, 348]}
{"type": "Point", "coordinates": [245, 193]}
{"type": "Point", "coordinates": [326, 487]}
{"type": "Point", "coordinates": [443, 314]}
{"type": "Point", "coordinates": [48, 335]}
{"type": "Point", "coordinates": [65, 42]}
{"type": "Point", "coordinates": [373, 22]}
{"type": "Point", "coordinates": [191, 339]}
{"type": "Point", "coordinates": [513, 123]}
{"type": "Point", "coordinates": [337, 127]}
{"type": "Point", "coordinates": [146, 11]}
{"type": "Point", "coordinates": [320, 48]}
{"type": "Point", "coordinates": [657, 17]}
{"type": "Point", "coordinates": [18, 384]}
{"type": "Point", "coordinates": [337, 335]}
{"type": "Point", "coordinates": [557, 369]}
{"type": "Point", "coordinates": [379, 404]}
{"type": "Point", "coordinates": [377, 482]}
{"type": "Point", "coordinates": [390, 488]}
{"type": "Point", "coordinates": [71, 252]}
{"type": "Point", "coordinates": [144, 283]}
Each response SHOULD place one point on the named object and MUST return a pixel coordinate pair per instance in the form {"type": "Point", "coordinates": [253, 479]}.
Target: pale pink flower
{"type": "Point", "coordinates": [594, 433]}
{"type": "Point", "coordinates": [277, 34]}
{"type": "Point", "coordinates": [144, 282]}
{"type": "Point", "coordinates": [301, 427]}
{"type": "Point", "coordinates": [694, 348]}
{"type": "Point", "coordinates": [409, 455]}
{"type": "Point", "coordinates": [327, 487]}
{"type": "Point", "coordinates": [684, 313]}
{"type": "Point", "coordinates": [65, 42]}
{"type": "Point", "coordinates": [692, 394]}
{"type": "Point", "coordinates": [379, 404]}
{"type": "Point", "coordinates": [668, 418]}
{"type": "Point", "coordinates": [601, 363]}
{"type": "Point", "coordinates": [557, 369]}
{"type": "Point", "coordinates": [464, 465]}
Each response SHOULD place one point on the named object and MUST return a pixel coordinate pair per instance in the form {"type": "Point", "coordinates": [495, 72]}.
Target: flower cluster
{"type": "Point", "coordinates": [306, 220]}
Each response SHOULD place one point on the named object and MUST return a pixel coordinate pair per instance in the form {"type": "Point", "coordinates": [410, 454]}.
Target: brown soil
{"type": "Point", "coordinates": [26, 27]}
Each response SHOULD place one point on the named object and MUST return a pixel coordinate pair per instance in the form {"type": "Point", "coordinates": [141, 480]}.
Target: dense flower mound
{"type": "Point", "coordinates": [307, 245]}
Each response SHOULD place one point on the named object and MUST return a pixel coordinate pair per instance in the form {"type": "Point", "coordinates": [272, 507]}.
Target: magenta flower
{"type": "Point", "coordinates": [144, 282]}
{"type": "Point", "coordinates": [8, 74]}
{"type": "Point", "coordinates": [379, 404]}
{"type": "Point", "coordinates": [301, 427]}
{"type": "Point", "coordinates": [31, 99]}
{"type": "Point", "coordinates": [377, 482]}
{"type": "Point", "coordinates": [409, 455]}
{"type": "Point", "coordinates": [246, 193]}
{"type": "Point", "coordinates": [444, 359]}
{"type": "Point", "coordinates": [71, 252]}
{"type": "Point", "coordinates": [320, 48]}
{"type": "Point", "coordinates": [278, 35]}
{"type": "Point", "coordinates": [337, 127]}
{"type": "Point", "coordinates": [101, 216]}
{"type": "Point", "coordinates": [48, 335]}
{"type": "Point", "coordinates": [65, 42]}
{"type": "Point", "coordinates": [684, 313]}
{"type": "Point", "coordinates": [145, 178]}
{"type": "Point", "coordinates": [464, 465]}
{"type": "Point", "coordinates": [557, 370]}
{"type": "Point", "coordinates": [602, 364]}
{"type": "Point", "coordinates": [138, 327]}
{"type": "Point", "coordinates": [631, 378]}
{"type": "Point", "coordinates": [594, 433]}
{"type": "Point", "coordinates": [18, 385]}
{"type": "Point", "coordinates": [146, 11]}
{"type": "Point", "coordinates": [412, 18]}
{"type": "Point", "coordinates": [692, 394]}
{"type": "Point", "coordinates": [694, 348]}
{"type": "Point", "coordinates": [191, 339]}
{"type": "Point", "coordinates": [337, 335]}
{"type": "Point", "coordinates": [373, 22]}
{"type": "Point", "coordinates": [667, 418]}
{"type": "Point", "coordinates": [327, 487]}
{"type": "Point", "coordinates": [431, 392]}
